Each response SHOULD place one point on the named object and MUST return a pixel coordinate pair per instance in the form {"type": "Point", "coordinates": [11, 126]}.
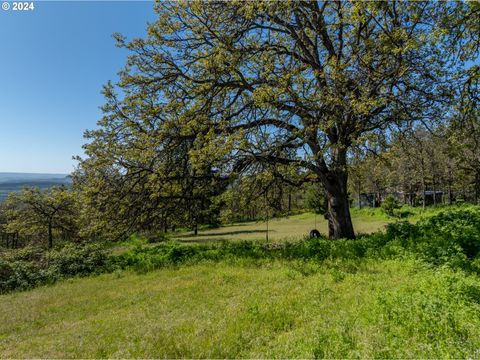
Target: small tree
{"type": "Point", "coordinates": [39, 212]}
{"type": "Point", "coordinates": [389, 205]}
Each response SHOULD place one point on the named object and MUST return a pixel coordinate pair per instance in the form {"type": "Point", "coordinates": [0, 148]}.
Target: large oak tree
{"type": "Point", "coordinates": [251, 81]}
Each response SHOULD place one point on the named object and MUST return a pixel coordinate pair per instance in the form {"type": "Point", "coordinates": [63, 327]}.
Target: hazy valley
{"type": "Point", "coordinates": [11, 182]}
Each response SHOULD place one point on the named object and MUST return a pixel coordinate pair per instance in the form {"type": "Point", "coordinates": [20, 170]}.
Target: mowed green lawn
{"type": "Point", "coordinates": [252, 310]}
{"type": "Point", "coordinates": [292, 227]}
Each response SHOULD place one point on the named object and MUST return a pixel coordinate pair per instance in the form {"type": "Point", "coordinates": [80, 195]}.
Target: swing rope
{"type": "Point", "coordinates": [266, 211]}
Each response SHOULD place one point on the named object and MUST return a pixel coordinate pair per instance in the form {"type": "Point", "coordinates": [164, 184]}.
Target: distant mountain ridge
{"type": "Point", "coordinates": [13, 182]}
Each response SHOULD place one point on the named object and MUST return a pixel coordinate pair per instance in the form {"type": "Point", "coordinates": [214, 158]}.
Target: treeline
{"type": "Point", "coordinates": [48, 217]}
{"type": "Point", "coordinates": [421, 166]}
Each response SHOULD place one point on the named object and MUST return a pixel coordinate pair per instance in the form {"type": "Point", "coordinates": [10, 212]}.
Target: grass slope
{"type": "Point", "coordinates": [386, 308]}
{"type": "Point", "coordinates": [412, 292]}
{"type": "Point", "coordinates": [287, 228]}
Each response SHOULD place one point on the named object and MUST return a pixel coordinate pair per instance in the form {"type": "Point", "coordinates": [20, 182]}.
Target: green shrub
{"type": "Point", "coordinates": [401, 230]}
{"type": "Point", "coordinates": [403, 212]}
{"type": "Point", "coordinates": [450, 237]}
{"type": "Point", "coordinates": [389, 205]}
{"type": "Point", "coordinates": [30, 267]}
{"type": "Point", "coordinates": [74, 260]}
{"type": "Point", "coordinates": [461, 226]}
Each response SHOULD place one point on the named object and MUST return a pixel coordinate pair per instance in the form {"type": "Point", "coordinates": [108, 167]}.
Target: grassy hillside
{"type": "Point", "coordinates": [342, 309]}
{"type": "Point", "coordinates": [410, 292]}
{"type": "Point", "coordinates": [292, 227]}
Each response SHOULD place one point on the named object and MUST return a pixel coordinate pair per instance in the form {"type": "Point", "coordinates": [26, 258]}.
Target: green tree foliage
{"type": "Point", "coordinates": [315, 199]}
{"type": "Point", "coordinates": [43, 214]}
{"type": "Point", "coordinates": [273, 190]}
{"type": "Point", "coordinates": [139, 175]}
{"type": "Point", "coordinates": [247, 81]}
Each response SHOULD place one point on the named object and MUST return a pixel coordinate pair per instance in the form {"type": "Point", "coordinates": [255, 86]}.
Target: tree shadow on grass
{"type": "Point", "coordinates": [202, 240]}
{"type": "Point", "coordinates": [226, 233]}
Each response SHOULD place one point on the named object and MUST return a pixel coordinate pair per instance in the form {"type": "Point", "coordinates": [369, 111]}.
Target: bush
{"type": "Point", "coordinates": [403, 213]}
{"type": "Point", "coordinates": [401, 230]}
{"type": "Point", "coordinates": [74, 260]}
{"type": "Point", "coordinates": [30, 267]}
{"type": "Point", "coordinates": [389, 205]}
{"type": "Point", "coordinates": [461, 226]}
{"type": "Point", "coordinates": [451, 237]}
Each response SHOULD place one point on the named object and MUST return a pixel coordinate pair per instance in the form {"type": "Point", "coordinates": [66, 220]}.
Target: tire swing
{"type": "Point", "coordinates": [314, 233]}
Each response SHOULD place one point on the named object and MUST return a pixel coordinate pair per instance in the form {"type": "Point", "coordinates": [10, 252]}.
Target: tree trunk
{"type": "Point", "coordinates": [50, 235]}
{"type": "Point", "coordinates": [449, 193]}
{"type": "Point", "coordinates": [289, 202]}
{"type": "Point", "coordinates": [477, 185]}
{"type": "Point", "coordinates": [195, 229]}
{"type": "Point", "coordinates": [338, 210]}
{"type": "Point", "coordinates": [359, 195]}
{"type": "Point", "coordinates": [424, 194]}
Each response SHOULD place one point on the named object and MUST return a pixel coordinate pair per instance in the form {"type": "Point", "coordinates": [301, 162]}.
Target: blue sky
{"type": "Point", "coordinates": [53, 63]}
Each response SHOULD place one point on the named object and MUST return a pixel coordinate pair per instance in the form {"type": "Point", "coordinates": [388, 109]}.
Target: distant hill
{"type": "Point", "coordinates": [11, 182]}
